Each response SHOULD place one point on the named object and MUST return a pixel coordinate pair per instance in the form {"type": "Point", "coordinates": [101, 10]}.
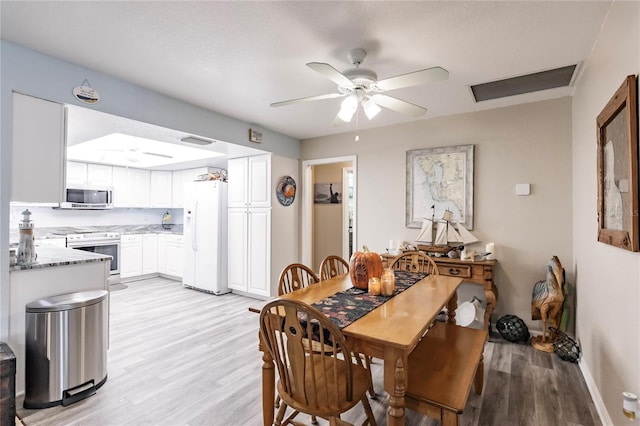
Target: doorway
{"type": "Point", "coordinates": [317, 174]}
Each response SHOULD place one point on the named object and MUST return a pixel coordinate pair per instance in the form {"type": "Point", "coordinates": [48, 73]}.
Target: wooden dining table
{"type": "Point", "coordinates": [389, 332]}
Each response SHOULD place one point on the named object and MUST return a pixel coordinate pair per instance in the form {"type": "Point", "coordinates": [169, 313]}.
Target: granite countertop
{"type": "Point", "coordinates": [59, 232]}
{"type": "Point", "coordinates": [59, 256]}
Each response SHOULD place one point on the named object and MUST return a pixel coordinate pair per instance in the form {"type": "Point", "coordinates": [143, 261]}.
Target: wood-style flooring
{"type": "Point", "coordinates": [182, 357]}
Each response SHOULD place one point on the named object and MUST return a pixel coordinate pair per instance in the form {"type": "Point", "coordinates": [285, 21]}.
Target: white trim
{"type": "Point", "coordinates": [595, 394]}
{"type": "Point", "coordinates": [306, 222]}
{"type": "Point", "coordinates": [345, 212]}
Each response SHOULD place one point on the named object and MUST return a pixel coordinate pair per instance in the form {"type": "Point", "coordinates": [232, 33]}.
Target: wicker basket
{"type": "Point", "coordinates": [565, 347]}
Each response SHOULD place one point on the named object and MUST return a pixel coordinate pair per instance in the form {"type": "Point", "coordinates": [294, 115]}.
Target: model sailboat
{"type": "Point", "coordinates": [442, 235]}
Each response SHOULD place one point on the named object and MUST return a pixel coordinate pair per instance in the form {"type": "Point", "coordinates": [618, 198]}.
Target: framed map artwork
{"type": "Point", "coordinates": [440, 179]}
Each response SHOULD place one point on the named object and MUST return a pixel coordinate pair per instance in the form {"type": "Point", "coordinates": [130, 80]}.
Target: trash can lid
{"type": "Point", "coordinates": [64, 302]}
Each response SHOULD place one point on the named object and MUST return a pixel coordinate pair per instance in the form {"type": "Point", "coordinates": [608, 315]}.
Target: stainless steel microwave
{"type": "Point", "coordinates": [88, 198]}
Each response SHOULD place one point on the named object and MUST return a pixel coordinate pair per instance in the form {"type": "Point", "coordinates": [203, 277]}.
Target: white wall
{"type": "Point", "coordinates": [285, 220]}
{"type": "Point", "coordinates": [528, 143]}
{"type": "Point", "coordinates": [607, 278]}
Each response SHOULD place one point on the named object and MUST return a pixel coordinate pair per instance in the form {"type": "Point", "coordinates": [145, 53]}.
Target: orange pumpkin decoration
{"type": "Point", "coordinates": [364, 265]}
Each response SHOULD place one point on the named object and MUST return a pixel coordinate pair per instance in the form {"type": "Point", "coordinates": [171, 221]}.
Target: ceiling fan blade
{"type": "Point", "coordinates": [331, 73]}
{"type": "Point", "coordinates": [308, 99]}
{"type": "Point", "coordinates": [158, 155]}
{"type": "Point", "coordinates": [416, 78]}
{"type": "Point", "coordinates": [338, 121]}
{"type": "Point", "coordinates": [398, 105]}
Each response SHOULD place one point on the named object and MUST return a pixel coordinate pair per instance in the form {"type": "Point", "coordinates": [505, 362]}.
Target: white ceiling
{"type": "Point", "coordinates": [237, 57]}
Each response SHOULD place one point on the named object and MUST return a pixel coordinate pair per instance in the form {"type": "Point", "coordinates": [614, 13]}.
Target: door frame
{"type": "Point", "coordinates": [306, 226]}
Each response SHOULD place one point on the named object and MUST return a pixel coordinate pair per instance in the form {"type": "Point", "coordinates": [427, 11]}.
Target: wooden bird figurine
{"type": "Point", "coordinates": [546, 303]}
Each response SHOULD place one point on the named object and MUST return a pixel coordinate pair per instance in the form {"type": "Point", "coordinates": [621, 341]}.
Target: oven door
{"type": "Point", "coordinates": [110, 248]}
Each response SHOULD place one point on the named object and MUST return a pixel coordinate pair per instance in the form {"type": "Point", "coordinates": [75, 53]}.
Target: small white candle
{"type": "Point", "coordinates": [490, 248]}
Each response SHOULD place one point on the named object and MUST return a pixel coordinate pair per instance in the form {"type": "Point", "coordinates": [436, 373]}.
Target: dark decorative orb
{"type": "Point", "coordinates": [565, 347]}
{"type": "Point", "coordinates": [513, 329]}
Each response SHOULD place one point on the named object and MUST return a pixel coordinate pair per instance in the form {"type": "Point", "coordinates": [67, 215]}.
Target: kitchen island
{"type": "Point", "coordinates": [57, 270]}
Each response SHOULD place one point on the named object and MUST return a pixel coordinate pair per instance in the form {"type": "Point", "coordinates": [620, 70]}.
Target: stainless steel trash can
{"type": "Point", "coordinates": [66, 348]}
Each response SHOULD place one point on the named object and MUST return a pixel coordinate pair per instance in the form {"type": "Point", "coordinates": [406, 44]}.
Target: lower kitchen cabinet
{"type": "Point", "coordinates": [130, 255]}
{"type": "Point", "coordinates": [145, 254]}
{"type": "Point", "coordinates": [149, 253]}
{"type": "Point", "coordinates": [174, 254]}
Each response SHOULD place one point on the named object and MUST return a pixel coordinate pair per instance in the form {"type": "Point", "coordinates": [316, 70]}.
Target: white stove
{"type": "Point", "coordinates": [100, 242]}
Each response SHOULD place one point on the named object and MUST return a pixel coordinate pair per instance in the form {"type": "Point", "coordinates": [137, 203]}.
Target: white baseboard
{"type": "Point", "coordinates": [595, 394]}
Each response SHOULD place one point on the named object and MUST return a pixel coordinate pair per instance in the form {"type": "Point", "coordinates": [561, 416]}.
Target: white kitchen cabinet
{"type": "Point", "coordinates": [174, 255]}
{"type": "Point", "coordinates": [38, 151]}
{"type": "Point", "coordinates": [249, 181]}
{"type": "Point", "coordinates": [149, 254]}
{"type": "Point", "coordinates": [179, 178]}
{"type": "Point", "coordinates": [130, 255]}
{"type": "Point", "coordinates": [86, 174]}
{"type": "Point", "coordinates": [162, 253]}
{"type": "Point", "coordinates": [99, 175]}
{"type": "Point", "coordinates": [160, 188]}
{"type": "Point", "coordinates": [139, 181]}
{"type": "Point", "coordinates": [130, 187]}
{"type": "Point", "coordinates": [76, 173]}
{"type": "Point", "coordinates": [249, 221]}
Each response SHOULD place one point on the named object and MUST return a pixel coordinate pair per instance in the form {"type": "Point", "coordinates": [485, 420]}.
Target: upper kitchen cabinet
{"type": "Point", "coordinates": [160, 188]}
{"type": "Point", "coordinates": [38, 149]}
{"type": "Point", "coordinates": [130, 187]}
{"type": "Point", "coordinates": [249, 179]}
{"type": "Point", "coordinates": [89, 174]}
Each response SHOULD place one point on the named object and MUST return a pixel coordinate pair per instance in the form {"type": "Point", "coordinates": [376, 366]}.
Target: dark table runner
{"type": "Point", "coordinates": [347, 306]}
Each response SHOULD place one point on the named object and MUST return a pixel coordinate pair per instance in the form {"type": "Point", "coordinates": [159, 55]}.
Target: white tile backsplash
{"type": "Point", "coordinates": [47, 217]}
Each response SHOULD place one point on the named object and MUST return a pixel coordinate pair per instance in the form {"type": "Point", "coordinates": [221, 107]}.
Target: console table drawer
{"type": "Point", "coordinates": [453, 270]}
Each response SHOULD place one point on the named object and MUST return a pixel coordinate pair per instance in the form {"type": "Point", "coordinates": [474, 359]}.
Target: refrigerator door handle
{"type": "Point", "coordinates": [194, 218]}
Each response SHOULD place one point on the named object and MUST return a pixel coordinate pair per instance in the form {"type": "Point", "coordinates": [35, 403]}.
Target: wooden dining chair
{"type": "Point", "coordinates": [415, 261]}
{"type": "Point", "coordinates": [333, 266]}
{"type": "Point", "coordinates": [294, 277]}
{"type": "Point", "coordinates": [326, 383]}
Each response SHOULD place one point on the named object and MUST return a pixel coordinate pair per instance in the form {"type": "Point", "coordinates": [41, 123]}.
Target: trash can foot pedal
{"type": "Point", "coordinates": [77, 393]}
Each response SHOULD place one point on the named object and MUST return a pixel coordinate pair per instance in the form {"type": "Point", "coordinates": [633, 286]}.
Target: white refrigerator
{"type": "Point", "coordinates": [205, 236]}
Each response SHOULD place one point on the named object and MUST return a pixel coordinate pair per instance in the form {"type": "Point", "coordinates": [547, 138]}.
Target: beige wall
{"type": "Point", "coordinates": [285, 220]}
{"type": "Point", "coordinates": [327, 218]}
{"type": "Point", "coordinates": [529, 143]}
{"type": "Point", "coordinates": [607, 278]}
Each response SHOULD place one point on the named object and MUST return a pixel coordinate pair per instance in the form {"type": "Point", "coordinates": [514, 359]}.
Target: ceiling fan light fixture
{"type": "Point", "coordinates": [348, 108]}
{"type": "Point", "coordinates": [370, 108]}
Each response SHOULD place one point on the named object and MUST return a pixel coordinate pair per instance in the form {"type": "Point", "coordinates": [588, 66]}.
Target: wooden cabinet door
{"type": "Point", "coordinates": [139, 187]}
{"type": "Point", "coordinates": [120, 187]}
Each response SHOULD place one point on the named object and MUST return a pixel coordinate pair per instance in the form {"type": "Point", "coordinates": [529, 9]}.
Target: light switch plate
{"type": "Point", "coordinates": [523, 189]}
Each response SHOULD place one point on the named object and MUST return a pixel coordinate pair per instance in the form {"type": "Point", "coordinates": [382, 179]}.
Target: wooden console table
{"type": "Point", "coordinates": [477, 272]}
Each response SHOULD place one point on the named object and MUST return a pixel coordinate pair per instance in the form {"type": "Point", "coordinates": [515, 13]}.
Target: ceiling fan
{"type": "Point", "coordinates": [134, 154]}
{"type": "Point", "coordinates": [360, 86]}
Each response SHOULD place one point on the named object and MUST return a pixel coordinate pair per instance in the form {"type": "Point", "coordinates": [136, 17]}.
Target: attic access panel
{"type": "Point", "coordinates": [543, 80]}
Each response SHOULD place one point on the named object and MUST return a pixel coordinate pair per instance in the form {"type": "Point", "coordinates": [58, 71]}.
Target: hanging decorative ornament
{"type": "Point", "coordinates": [85, 93]}
{"type": "Point", "coordinates": [286, 191]}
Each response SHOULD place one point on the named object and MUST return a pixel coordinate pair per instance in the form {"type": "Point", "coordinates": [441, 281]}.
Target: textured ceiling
{"type": "Point", "coordinates": [238, 57]}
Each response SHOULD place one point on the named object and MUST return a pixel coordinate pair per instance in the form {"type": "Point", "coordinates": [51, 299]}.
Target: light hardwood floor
{"type": "Point", "coordinates": [182, 357]}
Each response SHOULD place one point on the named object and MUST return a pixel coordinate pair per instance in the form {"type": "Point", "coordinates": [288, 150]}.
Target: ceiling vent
{"type": "Point", "coordinates": [196, 141]}
{"type": "Point", "coordinates": [550, 79]}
